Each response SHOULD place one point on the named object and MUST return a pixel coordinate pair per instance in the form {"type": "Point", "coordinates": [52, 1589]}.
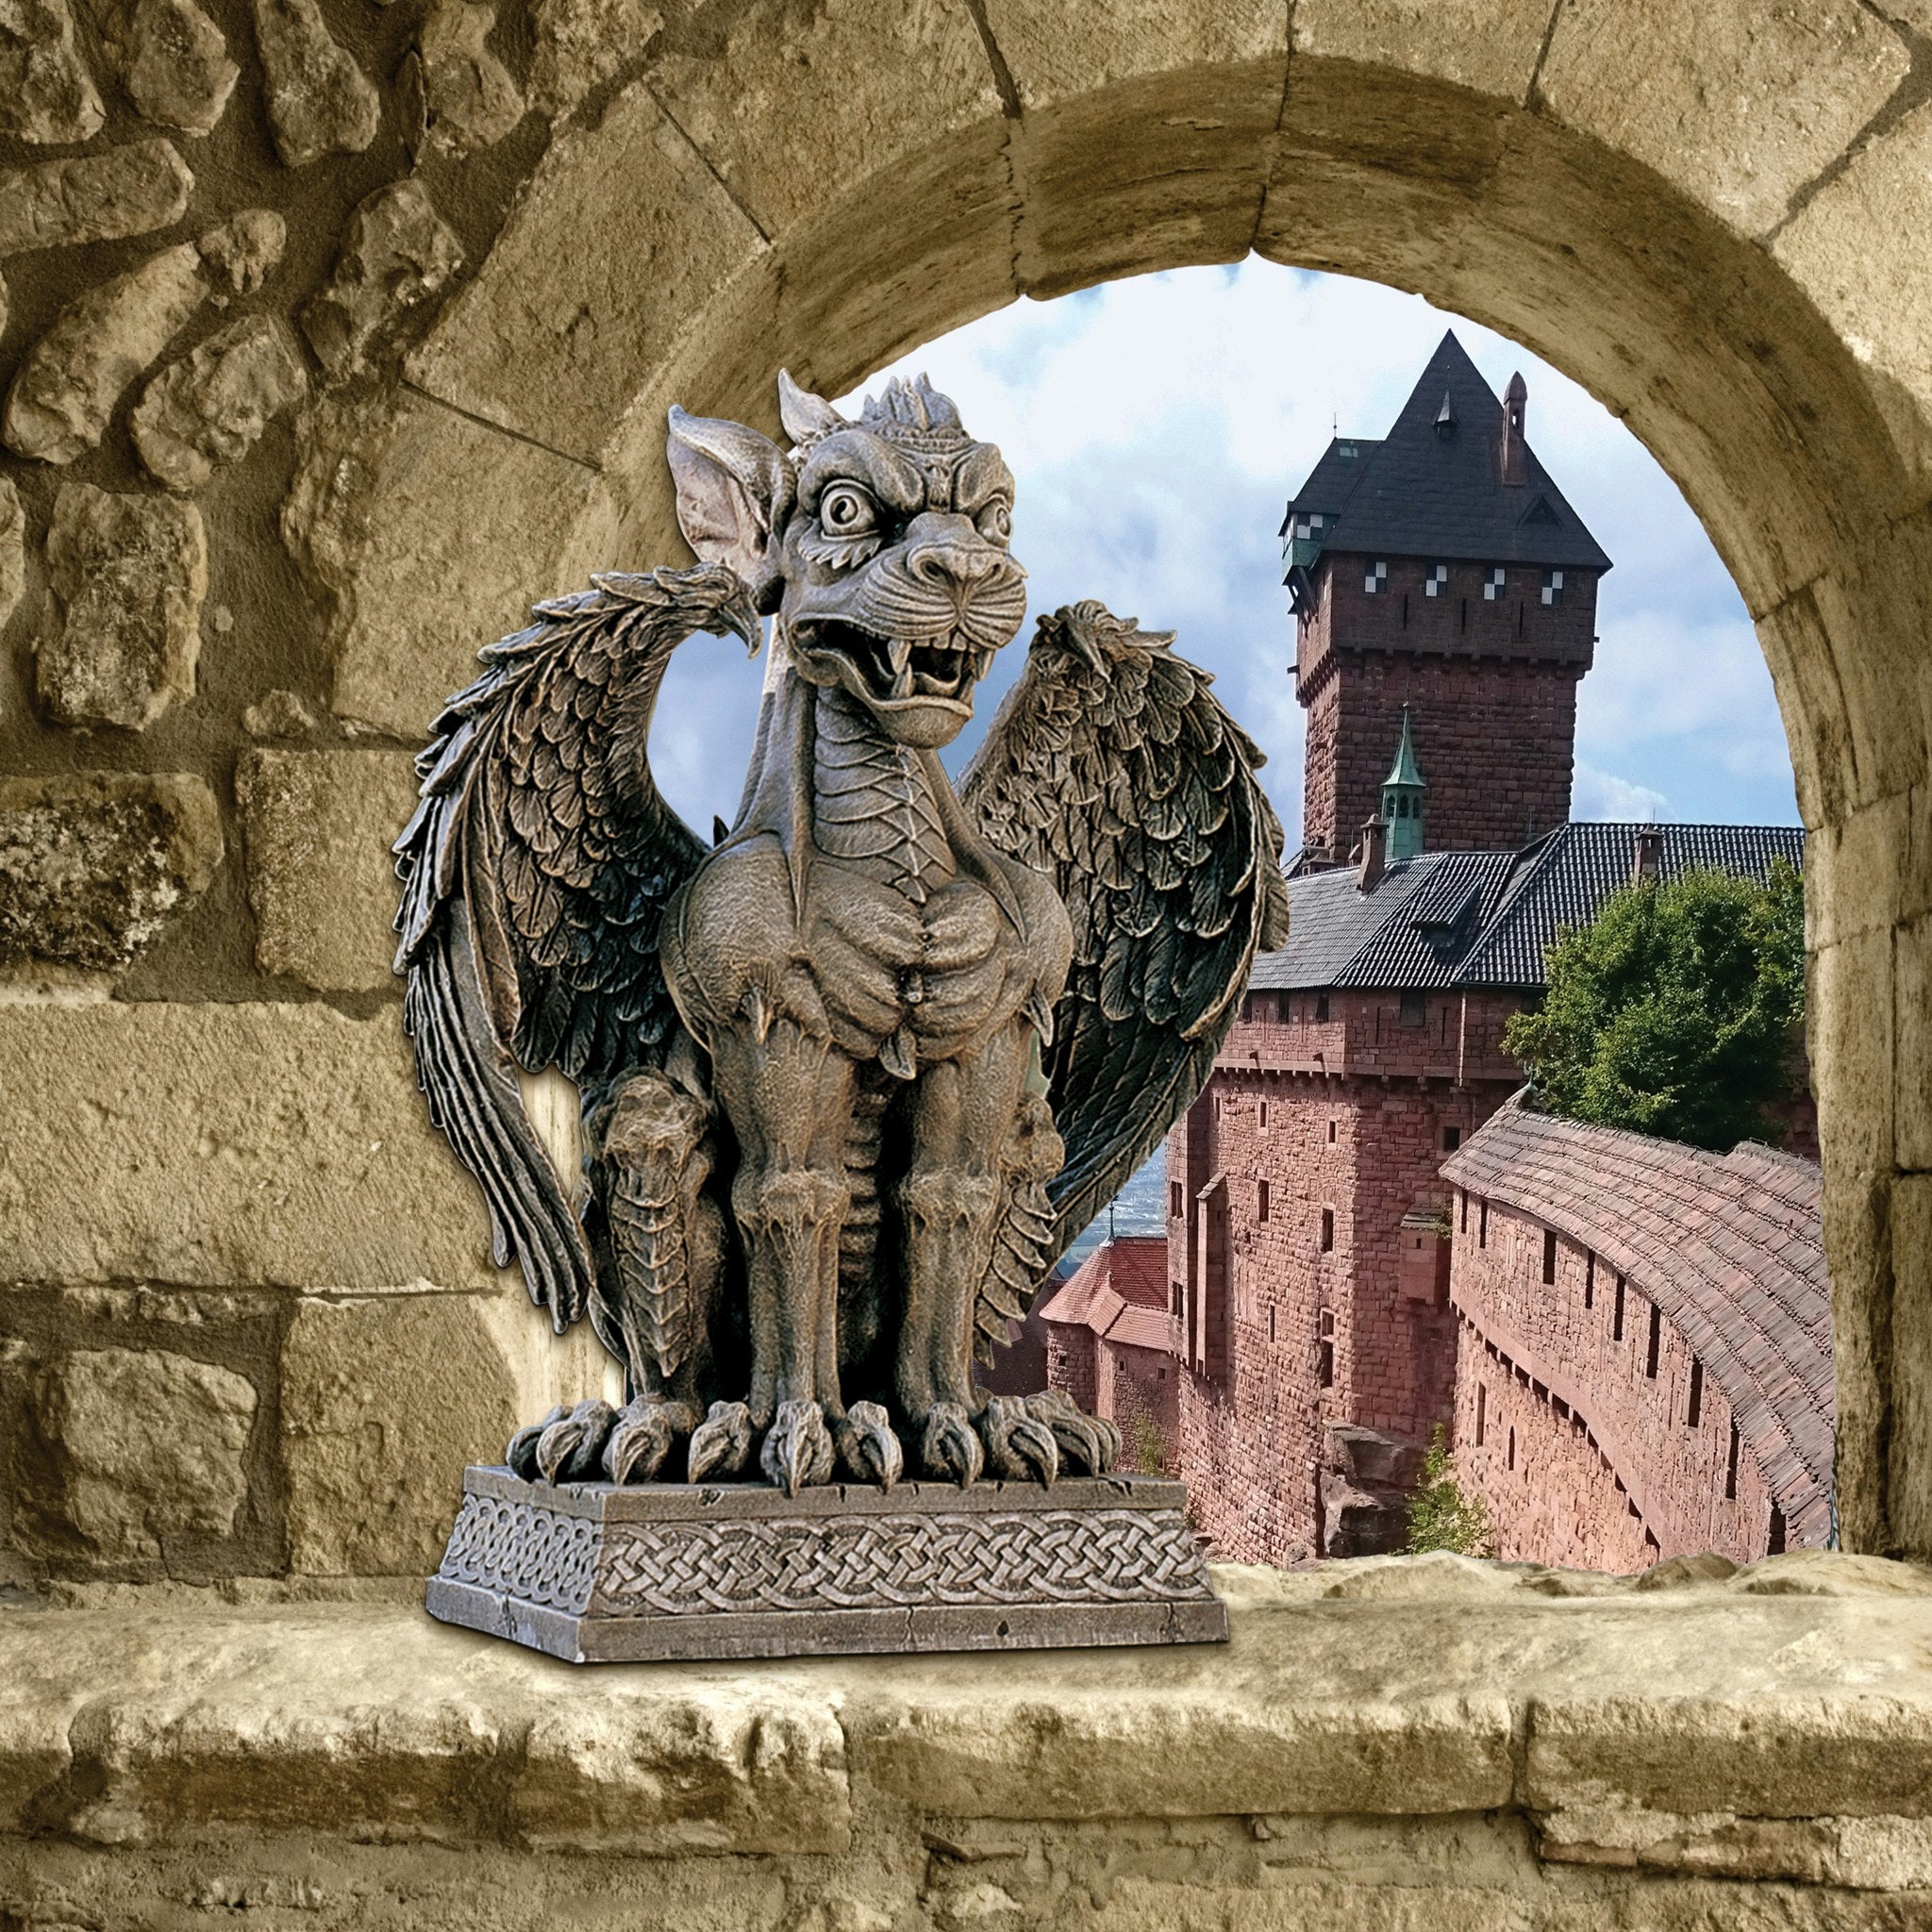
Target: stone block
{"type": "Point", "coordinates": [13, 547]}
{"type": "Point", "coordinates": [581, 43]}
{"type": "Point", "coordinates": [386, 1401]}
{"type": "Point", "coordinates": [93, 864]}
{"type": "Point", "coordinates": [433, 535]}
{"type": "Point", "coordinates": [68, 382]}
{"type": "Point", "coordinates": [224, 1144]}
{"type": "Point", "coordinates": [556, 342]}
{"type": "Point", "coordinates": [1843, 250]}
{"type": "Point", "coordinates": [321, 875]}
{"type": "Point", "coordinates": [1479, 44]}
{"type": "Point", "coordinates": [208, 409]}
{"type": "Point", "coordinates": [1811, 701]}
{"type": "Point", "coordinates": [142, 1447]}
{"type": "Point", "coordinates": [319, 101]}
{"type": "Point", "coordinates": [172, 60]}
{"type": "Point", "coordinates": [46, 94]}
{"type": "Point", "coordinates": [245, 250]}
{"type": "Point", "coordinates": [128, 575]}
{"type": "Point", "coordinates": [398, 253]}
{"type": "Point", "coordinates": [460, 96]}
{"type": "Point", "coordinates": [1739, 107]}
{"type": "Point", "coordinates": [1850, 1039]}
{"type": "Point", "coordinates": [129, 189]}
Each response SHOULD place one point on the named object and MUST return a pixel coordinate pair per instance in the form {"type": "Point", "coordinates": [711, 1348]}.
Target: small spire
{"type": "Point", "coordinates": [1445, 417]}
{"type": "Point", "coordinates": [1404, 771]}
{"type": "Point", "coordinates": [1515, 429]}
{"type": "Point", "coordinates": [1402, 798]}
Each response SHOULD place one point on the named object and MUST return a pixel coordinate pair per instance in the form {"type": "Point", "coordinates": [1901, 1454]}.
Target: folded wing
{"type": "Point", "coordinates": [1112, 767]}
{"type": "Point", "coordinates": [535, 874]}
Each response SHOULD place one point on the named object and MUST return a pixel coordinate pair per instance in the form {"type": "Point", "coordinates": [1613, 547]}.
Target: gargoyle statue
{"type": "Point", "coordinates": [855, 1075]}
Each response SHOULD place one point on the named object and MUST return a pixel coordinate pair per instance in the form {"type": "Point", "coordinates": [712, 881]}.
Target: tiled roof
{"type": "Point", "coordinates": [1729, 1246]}
{"type": "Point", "coordinates": [1124, 1277]}
{"type": "Point", "coordinates": [1452, 918]}
{"type": "Point", "coordinates": [1420, 494]}
{"type": "Point", "coordinates": [1141, 1328]}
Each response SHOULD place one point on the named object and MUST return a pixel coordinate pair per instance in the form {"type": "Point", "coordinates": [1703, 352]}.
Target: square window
{"type": "Point", "coordinates": [1452, 1139]}
{"type": "Point", "coordinates": [1378, 574]}
{"type": "Point", "coordinates": [1553, 587]}
{"type": "Point", "coordinates": [1494, 581]}
{"type": "Point", "coordinates": [1415, 1009]}
{"type": "Point", "coordinates": [1437, 581]}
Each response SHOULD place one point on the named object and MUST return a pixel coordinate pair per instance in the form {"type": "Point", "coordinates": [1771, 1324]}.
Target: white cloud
{"type": "Point", "coordinates": [1155, 427]}
{"type": "Point", "coordinates": [1604, 795]}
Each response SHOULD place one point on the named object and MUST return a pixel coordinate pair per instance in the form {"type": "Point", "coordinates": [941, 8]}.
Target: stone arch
{"type": "Point", "coordinates": [1704, 220]}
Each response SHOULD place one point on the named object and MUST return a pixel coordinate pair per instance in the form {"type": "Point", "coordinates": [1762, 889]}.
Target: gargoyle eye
{"type": "Point", "coordinates": [845, 509]}
{"type": "Point", "coordinates": [996, 521]}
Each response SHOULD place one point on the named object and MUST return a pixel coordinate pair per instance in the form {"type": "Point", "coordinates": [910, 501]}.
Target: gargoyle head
{"type": "Point", "coordinates": [880, 544]}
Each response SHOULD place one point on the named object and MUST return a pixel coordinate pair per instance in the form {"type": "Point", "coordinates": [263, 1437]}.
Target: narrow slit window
{"type": "Point", "coordinates": [1549, 1257]}
{"type": "Point", "coordinates": [1589, 1281]}
{"type": "Point", "coordinates": [1271, 1323]}
{"type": "Point", "coordinates": [1175, 1205]}
{"type": "Point", "coordinates": [1327, 1230]}
{"type": "Point", "coordinates": [1774, 1545]}
{"type": "Point", "coordinates": [1657, 1337]}
{"type": "Point", "coordinates": [1264, 1116]}
{"type": "Point", "coordinates": [1731, 1469]}
{"type": "Point", "coordinates": [1482, 1224]}
{"type": "Point", "coordinates": [1261, 1200]}
{"type": "Point", "coordinates": [1617, 1318]}
{"type": "Point", "coordinates": [1482, 1408]}
{"type": "Point", "coordinates": [1331, 1133]}
{"type": "Point", "coordinates": [1512, 1449]}
{"type": "Point", "coordinates": [1693, 1409]}
{"type": "Point", "coordinates": [1465, 1211]}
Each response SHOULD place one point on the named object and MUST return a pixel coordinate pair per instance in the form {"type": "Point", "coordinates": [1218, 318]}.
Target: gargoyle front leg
{"type": "Point", "coordinates": [788, 1094]}
{"type": "Point", "coordinates": [951, 1198]}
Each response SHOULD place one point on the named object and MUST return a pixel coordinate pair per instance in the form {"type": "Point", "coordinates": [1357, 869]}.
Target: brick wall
{"type": "Point", "coordinates": [1142, 1399]}
{"type": "Point", "coordinates": [1580, 1453]}
{"type": "Point", "coordinates": [1315, 1335]}
{"type": "Point", "coordinates": [1491, 688]}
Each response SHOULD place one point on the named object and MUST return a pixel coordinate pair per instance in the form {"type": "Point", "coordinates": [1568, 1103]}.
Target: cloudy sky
{"type": "Point", "coordinates": [1156, 428]}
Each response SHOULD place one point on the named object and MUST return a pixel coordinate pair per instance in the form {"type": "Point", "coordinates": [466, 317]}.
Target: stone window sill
{"type": "Point", "coordinates": [1565, 1730]}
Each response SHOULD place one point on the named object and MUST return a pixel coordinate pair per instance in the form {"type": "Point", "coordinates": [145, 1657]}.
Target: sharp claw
{"type": "Point", "coordinates": [798, 1447]}
{"type": "Point", "coordinates": [642, 1438]}
{"type": "Point", "coordinates": [949, 1448]}
{"type": "Point", "coordinates": [721, 1444]}
{"type": "Point", "coordinates": [1019, 1447]}
{"type": "Point", "coordinates": [570, 1450]}
{"type": "Point", "coordinates": [868, 1446]}
{"type": "Point", "coordinates": [521, 1453]}
{"type": "Point", "coordinates": [1088, 1443]}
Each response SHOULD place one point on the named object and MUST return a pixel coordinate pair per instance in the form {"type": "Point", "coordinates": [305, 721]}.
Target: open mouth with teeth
{"type": "Point", "coordinates": [899, 670]}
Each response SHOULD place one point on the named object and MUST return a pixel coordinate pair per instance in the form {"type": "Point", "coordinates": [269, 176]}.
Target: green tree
{"type": "Point", "coordinates": [1441, 1517]}
{"type": "Point", "coordinates": [1677, 1011]}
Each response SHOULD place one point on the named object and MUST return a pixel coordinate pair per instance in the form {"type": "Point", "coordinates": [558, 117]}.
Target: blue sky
{"type": "Point", "coordinates": [1155, 427]}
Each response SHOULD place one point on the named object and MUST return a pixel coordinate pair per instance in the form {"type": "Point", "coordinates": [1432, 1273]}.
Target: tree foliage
{"type": "Point", "coordinates": [1677, 1012]}
{"type": "Point", "coordinates": [1441, 1517]}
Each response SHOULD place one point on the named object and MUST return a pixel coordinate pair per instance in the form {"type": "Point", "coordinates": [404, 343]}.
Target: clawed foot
{"type": "Point", "coordinates": [570, 1445]}
{"type": "Point", "coordinates": [522, 1453]}
{"type": "Point", "coordinates": [798, 1447]}
{"type": "Point", "coordinates": [867, 1446]}
{"type": "Point", "coordinates": [1089, 1444]}
{"type": "Point", "coordinates": [1019, 1446]}
{"type": "Point", "coordinates": [642, 1438]}
{"type": "Point", "coordinates": [721, 1446]}
{"type": "Point", "coordinates": [949, 1449]}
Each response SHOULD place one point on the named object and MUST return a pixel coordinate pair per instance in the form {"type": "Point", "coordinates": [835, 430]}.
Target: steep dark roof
{"type": "Point", "coordinates": [1420, 494]}
{"type": "Point", "coordinates": [1487, 919]}
{"type": "Point", "coordinates": [1730, 1246]}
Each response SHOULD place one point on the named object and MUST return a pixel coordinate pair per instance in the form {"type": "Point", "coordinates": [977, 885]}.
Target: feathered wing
{"type": "Point", "coordinates": [534, 872]}
{"type": "Point", "coordinates": [1114, 768]}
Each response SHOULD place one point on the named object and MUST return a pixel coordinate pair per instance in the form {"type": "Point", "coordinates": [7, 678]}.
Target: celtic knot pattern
{"type": "Point", "coordinates": [899, 1563]}
{"type": "Point", "coordinates": [522, 1550]}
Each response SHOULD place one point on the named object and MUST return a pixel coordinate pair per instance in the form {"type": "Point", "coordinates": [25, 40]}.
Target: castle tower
{"type": "Point", "coordinates": [1444, 589]}
{"type": "Point", "coordinates": [1403, 793]}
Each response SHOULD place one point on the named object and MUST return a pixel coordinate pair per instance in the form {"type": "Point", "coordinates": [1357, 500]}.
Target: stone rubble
{"type": "Point", "coordinates": [319, 101]}
{"type": "Point", "coordinates": [458, 96]}
{"type": "Point", "coordinates": [93, 864]}
{"type": "Point", "coordinates": [46, 94]}
{"type": "Point", "coordinates": [208, 409]}
{"type": "Point", "coordinates": [130, 189]}
{"type": "Point", "coordinates": [172, 59]}
{"type": "Point", "coordinates": [246, 249]}
{"type": "Point", "coordinates": [398, 253]}
{"type": "Point", "coordinates": [71, 380]}
{"type": "Point", "coordinates": [128, 575]}
{"type": "Point", "coordinates": [280, 715]}
{"type": "Point", "coordinates": [581, 43]}
{"type": "Point", "coordinates": [13, 551]}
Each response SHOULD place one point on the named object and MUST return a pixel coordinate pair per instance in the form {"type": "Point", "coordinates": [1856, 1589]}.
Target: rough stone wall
{"type": "Point", "coordinates": [1142, 1397]}
{"type": "Point", "coordinates": [1071, 1361]}
{"type": "Point", "coordinates": [1491, 688]}
{"type": "Point", "coordinates": [1586, 1459]}
{"type": "Point", "coordinates": [1251, 1442]}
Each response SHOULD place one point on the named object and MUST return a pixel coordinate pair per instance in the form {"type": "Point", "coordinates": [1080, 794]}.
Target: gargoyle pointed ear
{"type": "Point", "coordinates": [734, 494]}
{"type": "Point", "coordinates": [805, 415]}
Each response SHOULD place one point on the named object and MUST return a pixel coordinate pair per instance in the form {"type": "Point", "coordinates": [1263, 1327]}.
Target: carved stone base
{"type": "Point", "coordinates": [593, 1574]}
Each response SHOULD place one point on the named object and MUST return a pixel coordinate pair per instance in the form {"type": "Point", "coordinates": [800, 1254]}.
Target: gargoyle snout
{"type": "Point", "coordinates": [945, 549]}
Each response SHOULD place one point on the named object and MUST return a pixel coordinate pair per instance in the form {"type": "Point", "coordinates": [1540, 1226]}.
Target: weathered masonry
{"type": "Point", "coordinates": [218, 1190]}
{"type": "Point", "coordinates": [1644, 1362]}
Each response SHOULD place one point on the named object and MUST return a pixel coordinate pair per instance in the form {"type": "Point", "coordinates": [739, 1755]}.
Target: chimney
{"type": "Point", "coordinates": [1646, 855]}
{"type": "Point", "coordinates": [1515, 425]}
{"type": "Point", "coordinates": [1370, 854]}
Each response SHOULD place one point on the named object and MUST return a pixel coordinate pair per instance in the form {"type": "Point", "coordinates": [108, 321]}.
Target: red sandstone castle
{"type": "Point", "coordinates": [1444, 596]}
